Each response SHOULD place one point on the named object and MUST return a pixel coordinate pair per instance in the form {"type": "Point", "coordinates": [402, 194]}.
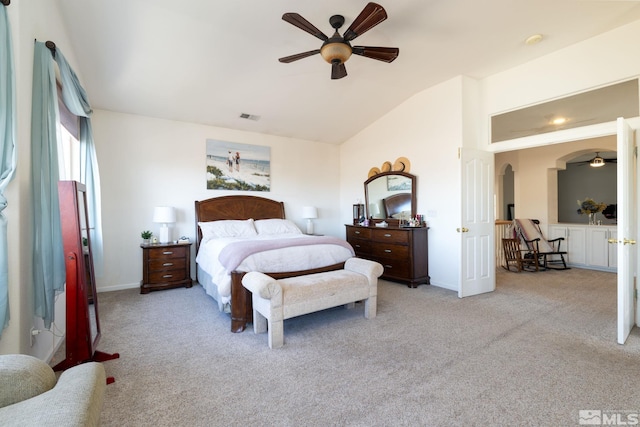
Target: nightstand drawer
{"type": "Point", "coordinates": [168, 252]}
{"type": "Point", "coordinates": [167, 264]}
{"type": "Point", "coordinates": [167, 276]}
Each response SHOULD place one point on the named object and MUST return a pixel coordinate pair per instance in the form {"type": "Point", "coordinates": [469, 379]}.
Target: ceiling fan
{"type": "Point", "coordinates": [597, 161]}
{"type": "Point", "coordinates": [336, 49]}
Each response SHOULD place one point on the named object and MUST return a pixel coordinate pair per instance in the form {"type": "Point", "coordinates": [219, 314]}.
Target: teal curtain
{"type": "Point", "coordinates": [49, 274]}
{"type": "Point", "coordinates": [75, 99]}
{"type": "Point", "coordinates": [48, 258]}
{"type": "Point", "coordinates": [7, 153]}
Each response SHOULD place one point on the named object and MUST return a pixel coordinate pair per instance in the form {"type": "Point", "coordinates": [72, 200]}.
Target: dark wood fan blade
{"type": "Point", "coordinates": [386, 54]}
{"type": "Point", "coordinates": [303, 24]}
{"type": "Point", "coordinates": [338, 71]}
{"type": "Point", "coordinates": [371, 15]}
{"type": "Point", "coordinates": [297, 56]}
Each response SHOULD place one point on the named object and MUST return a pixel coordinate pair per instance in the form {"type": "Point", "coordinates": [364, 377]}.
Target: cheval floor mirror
{"type": "Point", "coordinates": [82, 316]}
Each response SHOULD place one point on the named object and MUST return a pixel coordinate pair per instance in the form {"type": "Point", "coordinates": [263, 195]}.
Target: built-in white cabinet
{"type": "Point", "coordinates": [588, 246]}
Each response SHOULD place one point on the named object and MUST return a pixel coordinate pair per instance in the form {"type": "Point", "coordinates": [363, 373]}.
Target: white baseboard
{"type": "Point", "coordinates": [445, 286]}
{"type": "Point", "coordinates": [118, 287]}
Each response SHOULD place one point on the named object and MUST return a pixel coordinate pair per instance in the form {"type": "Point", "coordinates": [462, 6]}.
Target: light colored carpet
{"type": "Point", "coordinates": [534, 352]}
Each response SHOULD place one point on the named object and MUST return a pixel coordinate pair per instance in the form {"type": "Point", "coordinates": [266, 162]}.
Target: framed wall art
{"type": "Point", "coordinates": [240, 167]}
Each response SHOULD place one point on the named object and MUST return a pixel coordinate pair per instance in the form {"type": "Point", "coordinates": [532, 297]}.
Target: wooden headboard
{"type": "Point", "coordinates": [397, 203]}
{"type": "Point", "coordinates": [236, 207]}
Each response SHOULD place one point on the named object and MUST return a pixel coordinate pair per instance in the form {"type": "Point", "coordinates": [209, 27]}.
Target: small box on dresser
{"type": "Point", "coordinates": [403, 252]}
{"type": "Point", "coordinates": [165, 266]}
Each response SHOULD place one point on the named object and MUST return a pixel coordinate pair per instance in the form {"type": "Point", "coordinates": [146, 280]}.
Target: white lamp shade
{"type": "Point", "coordinates": [309, 212]}
{"type": "Point", "coordinates": [164, 215]}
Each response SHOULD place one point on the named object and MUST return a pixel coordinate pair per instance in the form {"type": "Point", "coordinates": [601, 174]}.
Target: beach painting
{"type": "Point", "coordinates": [240, 167]}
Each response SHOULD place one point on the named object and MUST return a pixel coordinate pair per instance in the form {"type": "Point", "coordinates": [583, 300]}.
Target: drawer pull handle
{"type": "Point", "coordinates": [357, 232]}
{"type": "Point", "coordinates": [387, 235]}
{"type": "Point", "coordinates": [388, 266]}
{"type": "Point", "coordinates": [167, 264]}
{"type": "Point", "coordinates": [388, 251]}
{"type": "Point", "coordinates": [166, 276]}
{"type": "Point", "coordinates": [357, 246]}
{"type": "Point", "coordinates": [167, 253]}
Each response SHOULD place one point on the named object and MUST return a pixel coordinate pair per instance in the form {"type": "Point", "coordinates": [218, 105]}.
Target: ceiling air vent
{"type": "Point", "coordinates": [249, 117]}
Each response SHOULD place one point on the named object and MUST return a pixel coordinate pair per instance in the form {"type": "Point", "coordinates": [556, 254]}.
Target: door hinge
{"type": "Point", "coordinates": [459, 153]}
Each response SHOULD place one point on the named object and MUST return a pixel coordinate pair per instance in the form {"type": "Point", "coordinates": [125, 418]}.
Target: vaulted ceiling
{"type": "Point", "coordinates": [209, 61]}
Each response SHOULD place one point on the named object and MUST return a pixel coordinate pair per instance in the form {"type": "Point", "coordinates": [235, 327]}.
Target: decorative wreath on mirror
{"type": "Point", "coordinates": [401, 164]}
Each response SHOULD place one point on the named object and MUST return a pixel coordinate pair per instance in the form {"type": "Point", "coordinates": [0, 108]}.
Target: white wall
{"type": "Point", "coordinates": [146, 162]}
{"type": "Point", "coordinates": [600, 61]}
{"type": "Point", "coordinates": [427, 129]}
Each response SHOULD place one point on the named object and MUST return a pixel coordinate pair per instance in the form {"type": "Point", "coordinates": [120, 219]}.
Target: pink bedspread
{"type": "Point", "coordinates": [234, 253]}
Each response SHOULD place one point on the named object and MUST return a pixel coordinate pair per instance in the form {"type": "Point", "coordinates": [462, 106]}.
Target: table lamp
{"type": "Point", "coordinates": [164, 215]}
{"type": "Point", "coordinates": [309, 213]}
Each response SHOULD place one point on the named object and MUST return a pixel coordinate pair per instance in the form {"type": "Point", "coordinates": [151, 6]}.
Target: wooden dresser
{"type": "Point", "coordinates": [403, 252]}
{"type": "Point", "coordinates": [165, 266]}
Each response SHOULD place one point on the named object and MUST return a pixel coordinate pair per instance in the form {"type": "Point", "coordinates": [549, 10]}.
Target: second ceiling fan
{"type": "Point", "coordinates": [336, 49]}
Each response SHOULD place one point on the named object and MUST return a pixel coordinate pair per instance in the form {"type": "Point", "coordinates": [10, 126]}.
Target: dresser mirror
{"type": "Point", "coordinates": [390, 195]}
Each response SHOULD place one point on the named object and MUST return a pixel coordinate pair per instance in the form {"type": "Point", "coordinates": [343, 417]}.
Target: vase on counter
{"type": "Point", "coordinates": [592, 218]}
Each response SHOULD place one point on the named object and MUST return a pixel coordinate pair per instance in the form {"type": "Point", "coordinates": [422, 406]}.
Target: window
{"type": "Point", "coordinates": [69, 144]}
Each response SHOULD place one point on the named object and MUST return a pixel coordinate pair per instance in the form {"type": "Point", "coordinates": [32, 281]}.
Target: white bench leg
{"type": "Point", "coordinates": [276, 334]}
{"type": "Point", "coordinates": [259, 323]}
{"type": "Point", "coordinates": [370, 305]}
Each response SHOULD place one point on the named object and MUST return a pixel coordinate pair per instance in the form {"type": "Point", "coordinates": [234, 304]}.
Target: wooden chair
{"type": "Point", "coordinates": [549, 251]}
{"type": "Point", "coordinates": [520, 258]}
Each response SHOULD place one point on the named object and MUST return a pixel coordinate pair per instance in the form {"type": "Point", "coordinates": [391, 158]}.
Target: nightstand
{"type": "Point", "coordinates": [165, 266]}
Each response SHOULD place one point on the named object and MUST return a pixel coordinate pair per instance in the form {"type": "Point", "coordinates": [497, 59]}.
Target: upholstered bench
{"type": "Point", "coordinates": [277, 300]}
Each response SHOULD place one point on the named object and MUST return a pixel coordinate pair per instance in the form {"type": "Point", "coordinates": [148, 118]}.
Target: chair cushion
{"type": "Point", "coordinates": [23, 377]}
{"type": "Point", "coordinates": [531, 232]}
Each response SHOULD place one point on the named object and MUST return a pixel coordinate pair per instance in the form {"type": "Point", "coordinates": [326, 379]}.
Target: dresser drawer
{"type": "Point", "coordinates": [396, 252]}
{"type": "Point", "coordinates": [395, 268]}
{"type": "Point", "coordinates": [360, 246]}
{"type": "Point", "coordinates": [358, 233]}
{"type": "Point", "coordinates": [390, 236]}
{"type": "Point", "coordinates": [165, 253]}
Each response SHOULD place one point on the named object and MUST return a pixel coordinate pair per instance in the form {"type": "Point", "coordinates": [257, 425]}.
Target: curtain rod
{"type": "Point", "coordinates": [6, 2]}
{"type": "Point", "coordinates": [51, 46]}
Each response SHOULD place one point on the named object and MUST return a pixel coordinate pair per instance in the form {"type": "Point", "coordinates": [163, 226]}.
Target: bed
{"type": "Point", "coordinates": [317, 253]}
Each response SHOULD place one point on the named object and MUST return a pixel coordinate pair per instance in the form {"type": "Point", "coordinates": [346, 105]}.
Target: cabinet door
{"type": "Point", "coordinates": [597, 247]}
{"type": "Point", "coordinates": [576, 245]}
{"type": "Point", "coordinates": [556, 231]}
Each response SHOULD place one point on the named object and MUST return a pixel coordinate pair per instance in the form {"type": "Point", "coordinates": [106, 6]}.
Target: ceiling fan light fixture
{"type": "Point", "coordinates": [336, 52]}
{"type": "Point", "coordinates": [597, 161]}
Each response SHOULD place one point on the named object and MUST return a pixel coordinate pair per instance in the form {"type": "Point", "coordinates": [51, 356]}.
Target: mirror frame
{"type": "Point", "coordinates": [386, 174]}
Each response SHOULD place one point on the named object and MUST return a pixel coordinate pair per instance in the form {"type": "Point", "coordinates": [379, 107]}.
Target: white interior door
{"type": "Point", "coordinates": [477, 226]}
{"type": "Point", "coordinates": [626, 237]}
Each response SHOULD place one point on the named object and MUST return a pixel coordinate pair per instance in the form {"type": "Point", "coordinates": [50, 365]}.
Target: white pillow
{"type": "Point", "coordinates": [276, 226]}
{"type": "Point", "coordinates": [227, 228]}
